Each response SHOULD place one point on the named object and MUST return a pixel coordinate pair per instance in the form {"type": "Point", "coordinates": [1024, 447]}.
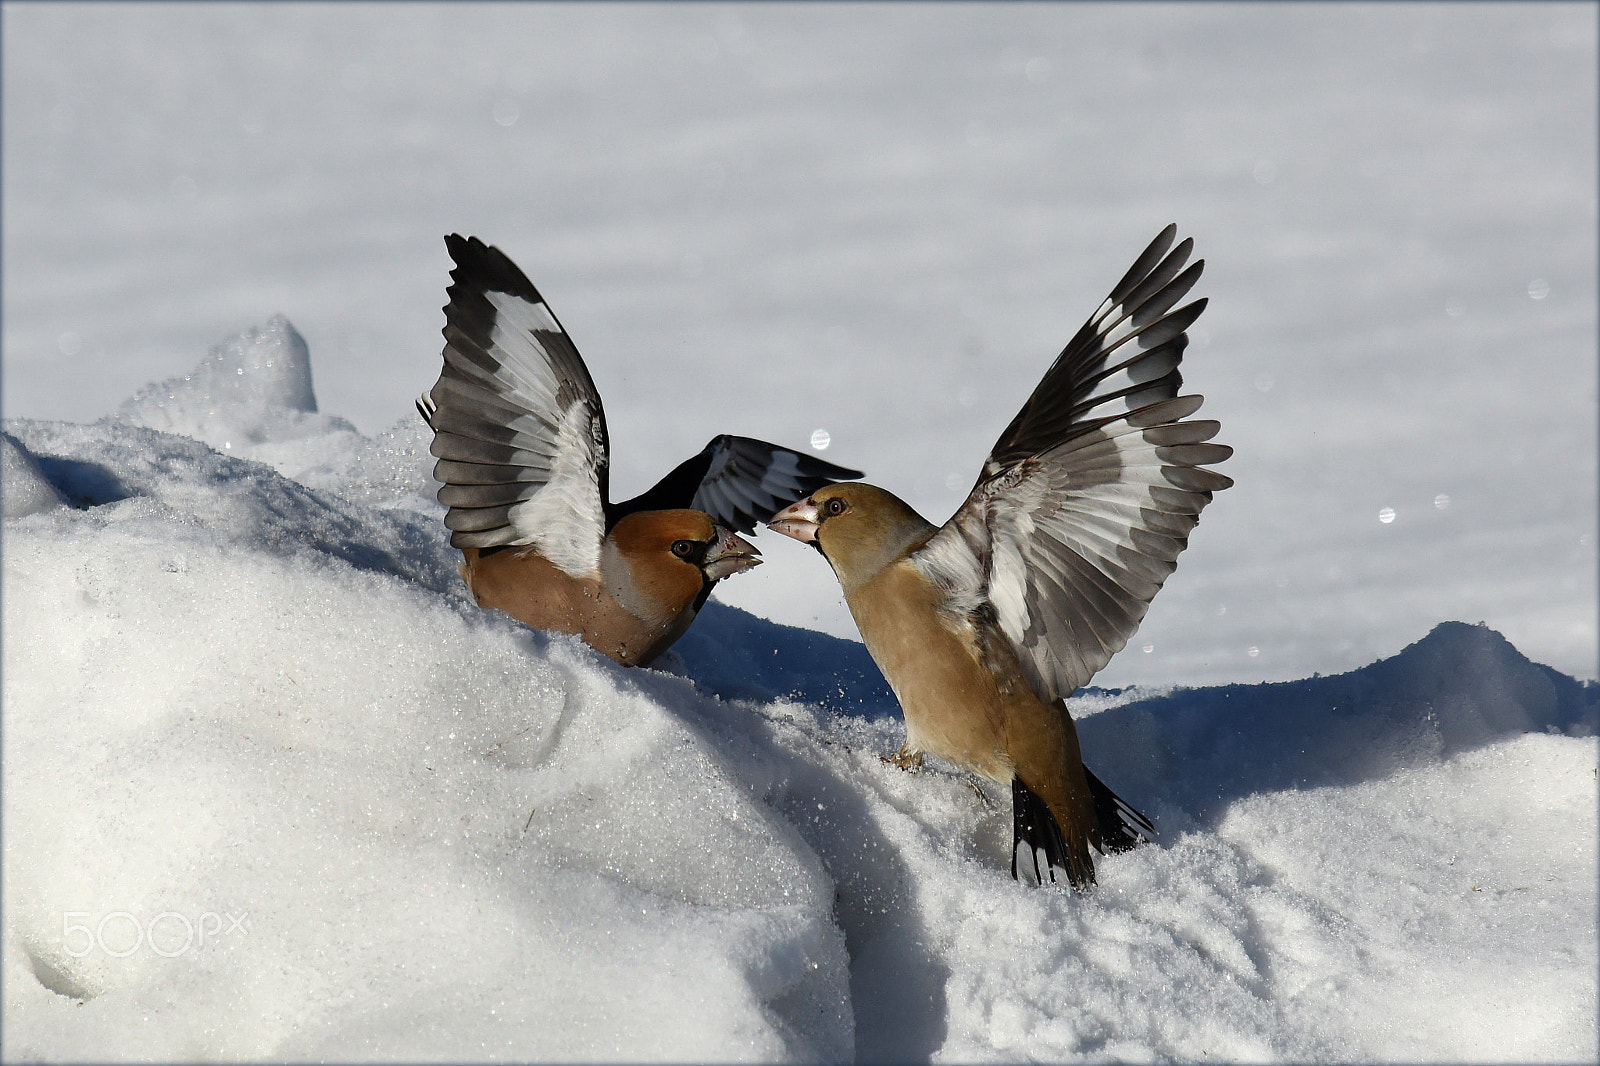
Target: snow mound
{"type": "Point", "coordinates": [276, 788]}
{"type": "Point", "coordinates": [276, 718]}
{"type": "Point", "coordinates": [252, 397]}
{"type": "Point", "coordinates": [1459, 688]}
{"type": "Point", "coordinates": [23, 487]}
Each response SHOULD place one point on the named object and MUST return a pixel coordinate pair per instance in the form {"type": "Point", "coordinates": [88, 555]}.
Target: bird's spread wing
{"type": "Point", "coordinates": [1089, 496]}
{"type": "Point", "coordinates": [738, 481]}
{"type": "Point", "coordinates": [518, 428]}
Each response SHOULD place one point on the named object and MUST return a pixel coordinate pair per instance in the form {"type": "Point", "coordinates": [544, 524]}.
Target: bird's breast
{"type": "Point", "coordinates": [955, 707]}
{"type": "Point", "coordinates": [535, 592]}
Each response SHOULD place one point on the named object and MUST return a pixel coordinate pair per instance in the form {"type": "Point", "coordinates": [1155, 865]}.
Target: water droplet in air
{"type": "Point", "coordinates": [820, 439]}
{"type": "Point", "coordinates": [1386, 515]}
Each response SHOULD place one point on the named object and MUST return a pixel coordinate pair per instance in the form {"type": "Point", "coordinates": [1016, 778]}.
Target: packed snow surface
{"type": "Point", "coordinates": [274, 787]}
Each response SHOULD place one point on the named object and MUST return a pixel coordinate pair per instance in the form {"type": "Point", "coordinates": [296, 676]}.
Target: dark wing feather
{"type": "Point", "coordinates": [738, 481]}
{"type": "Point", "coordinates": [1124, 357]}
{"type": "Point", "coordinates": [519, 430]}
{"type": "Point", "coordinates": [1091, 493]}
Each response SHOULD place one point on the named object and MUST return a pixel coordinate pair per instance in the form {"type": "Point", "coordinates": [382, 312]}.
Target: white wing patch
{"type": "Point", "coordinates": [513, 313]}
{"type": "Point", "coordinates": [952, 565]}
{"type": "Point", "coordinates": [1009, 591]}
{"type": "Point", "coordinates": [565, 519]}
{"type": "Point", "coordinates": [533, 382]}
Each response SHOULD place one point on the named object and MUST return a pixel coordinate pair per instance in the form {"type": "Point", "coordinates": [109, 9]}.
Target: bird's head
{"type": "Point", "coordinates": [858, 528]}
{"type": "Point", "coordinates": [670, 559]}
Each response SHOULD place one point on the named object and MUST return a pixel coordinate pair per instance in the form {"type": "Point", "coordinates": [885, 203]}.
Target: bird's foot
{"type": "Point", "coordinates": [906, 760]}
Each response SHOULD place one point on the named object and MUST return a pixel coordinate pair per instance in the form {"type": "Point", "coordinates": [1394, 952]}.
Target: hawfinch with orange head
{"type": "Point", "coordinates": [524, 458]}
{"type": "Point", "coordinates": [986, 624]}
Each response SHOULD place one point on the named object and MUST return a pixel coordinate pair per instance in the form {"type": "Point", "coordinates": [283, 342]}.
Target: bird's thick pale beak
{"type": "Point", "coordinates": [731, 554]}
{"type": "Point", "coordinates": [798, 520]}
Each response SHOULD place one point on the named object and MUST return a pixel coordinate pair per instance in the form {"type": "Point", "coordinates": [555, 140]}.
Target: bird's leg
{"type": "Point", "coordinates": [905, 759]}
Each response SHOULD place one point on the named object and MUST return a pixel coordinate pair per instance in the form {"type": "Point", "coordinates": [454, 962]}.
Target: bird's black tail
{"type": "Point", "coordinates": [1121, 827]}
{"type": "Point", "coordinates": [1040, 852]}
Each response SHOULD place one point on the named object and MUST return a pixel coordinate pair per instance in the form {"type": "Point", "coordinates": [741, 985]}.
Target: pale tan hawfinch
{"type": "Point", "coordinates": [524, 459]}
{"type": "Point", "coordinates": [986, 624]}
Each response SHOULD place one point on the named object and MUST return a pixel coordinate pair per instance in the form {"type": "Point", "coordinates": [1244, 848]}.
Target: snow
{"type": "Point", "coordinates": [252, 717]}
{"type": "Point", "coordinates": [276, 789]}
{"type": "Point", "coordinates": [26, 490]}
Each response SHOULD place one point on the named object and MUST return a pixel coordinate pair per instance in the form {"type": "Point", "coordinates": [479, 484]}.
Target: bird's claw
{"type": "Point", "coordinates": [910, 761]}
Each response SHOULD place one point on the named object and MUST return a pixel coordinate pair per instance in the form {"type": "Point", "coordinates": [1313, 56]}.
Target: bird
{"type": "Point", "coordinates": [985, 625]}
{"type": "Point", "coordinates": [523, 464]}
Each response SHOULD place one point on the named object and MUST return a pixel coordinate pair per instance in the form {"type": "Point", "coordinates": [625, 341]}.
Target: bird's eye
{"type": "Point", "coordinates": [835, 506]}
{"type": "Point", "coordinates": [683, 548]}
